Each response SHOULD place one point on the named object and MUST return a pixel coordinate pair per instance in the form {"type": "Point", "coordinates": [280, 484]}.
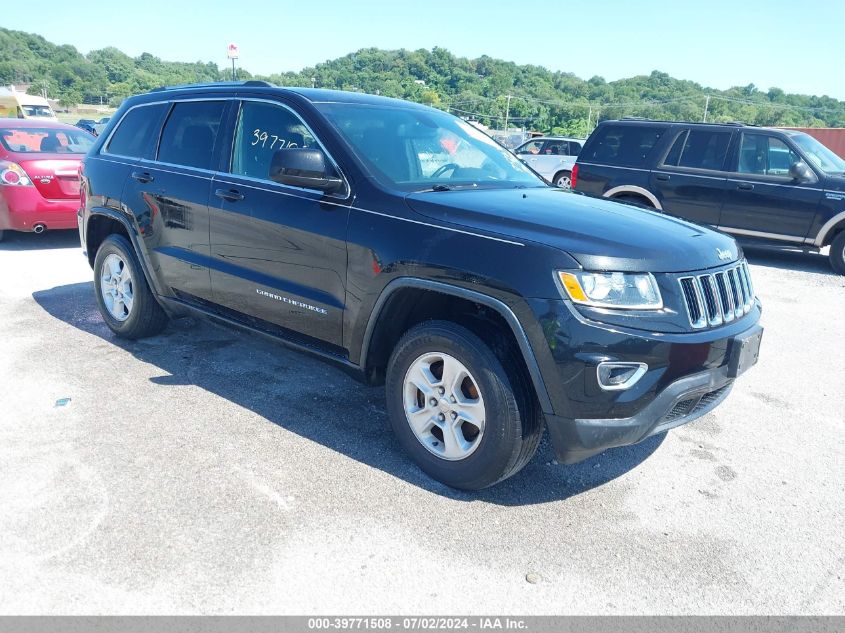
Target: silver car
{"type": "Point", "coordinates": [552, 157]}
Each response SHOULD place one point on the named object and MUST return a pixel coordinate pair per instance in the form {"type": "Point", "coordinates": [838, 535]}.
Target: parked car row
{"type": "Point", "coordinates": [92, 126]}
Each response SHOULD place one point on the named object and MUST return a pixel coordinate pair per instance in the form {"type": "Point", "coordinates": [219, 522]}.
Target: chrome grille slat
{"type": "Point", "coordinates": [715, 298]}
{"type": "Point", "coordinates": [711, 299]}
{"type": "Point", "coordinates": [737, 299]}
{"type": "Point", "coordinates": [725, 295]}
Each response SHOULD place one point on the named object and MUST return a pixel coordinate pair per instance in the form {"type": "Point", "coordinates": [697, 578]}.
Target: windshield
{"type": "Point", "coordinates": [44, 140]}
{"type": "Point", "coordinates": [414, 150]}
{"type": "Point", "coordinates": [818, 154]}
{"type": "Point", "coordinates": [38, 111]}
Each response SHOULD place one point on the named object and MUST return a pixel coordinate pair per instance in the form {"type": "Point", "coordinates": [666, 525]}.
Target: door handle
{"type": "Point", "coordinates": [230, 195]}
{"type": "Point", "coordinates": [142, 176]}
{"type": "Point", "coordinates": [663, 177]}
{"type": "Point", "coordinates": [745, 186]}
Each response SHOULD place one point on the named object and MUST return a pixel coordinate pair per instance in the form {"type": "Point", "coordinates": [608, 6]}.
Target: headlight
{"type": "Point", "coordinates": [630, 291]}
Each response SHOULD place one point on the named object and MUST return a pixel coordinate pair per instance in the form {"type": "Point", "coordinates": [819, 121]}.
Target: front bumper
{"type": "Point", "coordinates": [681, 402]}
{"type": "Point", "coordinates": [689, 374]}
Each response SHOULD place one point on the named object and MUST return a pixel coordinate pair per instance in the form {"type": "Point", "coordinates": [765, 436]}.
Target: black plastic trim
{"type": "Point", "coordinates": [471, 295]}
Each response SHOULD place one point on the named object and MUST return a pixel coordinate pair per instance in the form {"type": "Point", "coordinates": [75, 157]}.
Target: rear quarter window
{"type": "Point", "coordinates": [136, 131]}
{"type": "Point", "coordinates": [625, 145]}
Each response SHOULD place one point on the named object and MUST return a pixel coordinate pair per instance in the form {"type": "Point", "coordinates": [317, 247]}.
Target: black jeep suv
{"type": "Point", "coordinates": [767, 186]}
{"type": "Point", "coordinates": [409, 248]}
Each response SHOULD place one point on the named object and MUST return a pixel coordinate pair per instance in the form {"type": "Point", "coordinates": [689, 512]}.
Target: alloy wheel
{"type": "Point", "coordinates": [444, 406]}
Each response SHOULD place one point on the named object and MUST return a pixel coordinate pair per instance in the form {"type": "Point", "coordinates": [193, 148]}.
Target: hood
{"type": "Point", "coordinates": [599, 234]}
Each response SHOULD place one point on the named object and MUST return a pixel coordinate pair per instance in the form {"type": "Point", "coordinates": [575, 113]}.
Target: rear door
{"type": "Point", "coordinates": [279, 252]}
{"type": "Point", "coordinates": [763, 200]}
{"type": "Point", "coordinates": [691, 180]}
{"type": "Point", "coordinates": [169, 195]}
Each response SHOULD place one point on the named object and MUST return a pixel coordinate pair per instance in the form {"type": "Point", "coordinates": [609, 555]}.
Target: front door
{"type": "Point", "coordinates": [763, 200]}
{"type": "Point", "coordinates": [278, 252]}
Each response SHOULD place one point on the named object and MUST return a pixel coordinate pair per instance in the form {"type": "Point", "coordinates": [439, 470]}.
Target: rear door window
{"type": "Point", "coordinates": [626, 145]}
{"type": "Point", "coordinates": [557, 148]}
{"type": "Point", "coordinates": [136, 131]}
{"type": "Point", "coordinates": [699, 149]}
{"type": "Point", "coordinates": [190, 133]}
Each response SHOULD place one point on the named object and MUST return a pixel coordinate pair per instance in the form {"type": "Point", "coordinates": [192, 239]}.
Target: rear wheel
{"type": "Point", "coordinates": [455, 410]}
{"type": "Point", "coordinates": [563, 179]}
{"type": "Point", "coordinates": [837, 253]}
{"type": "Point", "coordinates": [123, 296]}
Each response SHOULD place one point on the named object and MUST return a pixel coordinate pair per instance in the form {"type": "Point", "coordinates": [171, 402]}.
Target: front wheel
{"type": "Point", "coordinates": [563, 179]}
{"type": "Point", "coordinates": [837, 253]}
{"type": "Point", "coordinates": [123, 296]}
{"type": "Point", "coordinates": [455, 410]}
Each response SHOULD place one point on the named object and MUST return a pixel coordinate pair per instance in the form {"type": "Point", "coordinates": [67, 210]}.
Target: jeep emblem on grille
{"type": "Point", "coordinates": [723, 255]}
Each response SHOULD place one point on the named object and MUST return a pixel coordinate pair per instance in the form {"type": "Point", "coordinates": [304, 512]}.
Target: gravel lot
{"type": "Point", "coordinates": [211, 471]}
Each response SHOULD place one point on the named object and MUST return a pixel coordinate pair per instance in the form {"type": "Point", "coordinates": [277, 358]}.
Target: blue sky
{"type": "Point", "coordinates": [795, 45]}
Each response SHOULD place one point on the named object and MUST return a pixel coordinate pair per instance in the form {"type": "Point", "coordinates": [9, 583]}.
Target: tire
{"type": "Point", "coordinates": [563, 179]}
{"type": "Point", "coordinates": [497, 427]}
{"type": "Point", "coordinates": [125, 301]}
{"type": "Point", "coordinates": [837, 253]}
{"type": "Point", "coordinates": [635, 201]}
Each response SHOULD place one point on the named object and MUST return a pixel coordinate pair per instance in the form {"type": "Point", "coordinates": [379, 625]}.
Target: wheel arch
{"type": "Point", "coordinates": [634, 190]}
{"type": "Point", "coordinates": [829, 231]}
{"type": "Point", "coordinates": [374, 346]}
{"type": "Point", "coordinates": [103, 222]}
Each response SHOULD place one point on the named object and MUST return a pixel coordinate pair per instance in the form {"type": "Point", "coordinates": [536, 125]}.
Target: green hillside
{"type": "Point", "coordinates": [473, 88]}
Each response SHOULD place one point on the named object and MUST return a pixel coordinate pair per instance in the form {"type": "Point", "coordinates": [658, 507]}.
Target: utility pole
{"type": "Point", "coordinates": [589, 120]}
{"type": "Point", "coordinates": [507, 112]}
{"type": "Point", "coordinates": [706, 107]}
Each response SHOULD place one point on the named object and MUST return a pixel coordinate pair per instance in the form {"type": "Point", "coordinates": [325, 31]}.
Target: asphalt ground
{"type": "Point", "coordinates": [211, 471]}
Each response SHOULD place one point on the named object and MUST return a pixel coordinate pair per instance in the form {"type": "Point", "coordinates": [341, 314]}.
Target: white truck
{"type": "Point", "coordinates": [20, 105]}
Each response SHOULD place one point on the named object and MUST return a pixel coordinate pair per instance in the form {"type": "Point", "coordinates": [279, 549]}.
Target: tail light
{"type": "Point", "coordinates": [573, 178]}
{"type": "Point", "coordinates": [13, 174]}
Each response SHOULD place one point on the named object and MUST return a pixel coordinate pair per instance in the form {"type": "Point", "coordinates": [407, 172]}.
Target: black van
{"type": "Point", "coordinates": [763, 185]}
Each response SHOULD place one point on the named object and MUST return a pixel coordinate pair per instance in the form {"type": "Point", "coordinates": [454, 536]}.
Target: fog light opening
{"type": "Point", "coordinates": [614, 376]}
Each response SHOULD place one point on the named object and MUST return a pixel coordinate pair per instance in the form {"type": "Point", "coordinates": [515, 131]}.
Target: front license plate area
{"type": "Point", "coordinates": [745, 351]}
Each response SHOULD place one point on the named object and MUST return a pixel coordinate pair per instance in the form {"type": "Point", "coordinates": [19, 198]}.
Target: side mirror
{"type": "Point", "coordinates": [801, 172]}
{"type": "Point", "coordinates": [304, 167]}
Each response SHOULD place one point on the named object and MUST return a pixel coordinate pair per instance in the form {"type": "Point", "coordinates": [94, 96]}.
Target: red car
{"type": "Point", "coordinates": [39, 174]}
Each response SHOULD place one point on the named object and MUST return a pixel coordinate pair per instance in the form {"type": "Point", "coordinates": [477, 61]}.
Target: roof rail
{"type": "Point", "coordinates": [640, 118]}
{"type": "Point", "coordinates": [248, 83]}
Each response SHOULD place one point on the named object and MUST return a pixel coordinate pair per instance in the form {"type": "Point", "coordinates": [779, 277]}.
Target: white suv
{"type": "Point", "coordinates": [552, 157]}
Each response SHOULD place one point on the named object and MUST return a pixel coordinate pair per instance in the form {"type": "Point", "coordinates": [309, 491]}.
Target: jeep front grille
{"type": "Point", "coordinates": [716, 298]}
